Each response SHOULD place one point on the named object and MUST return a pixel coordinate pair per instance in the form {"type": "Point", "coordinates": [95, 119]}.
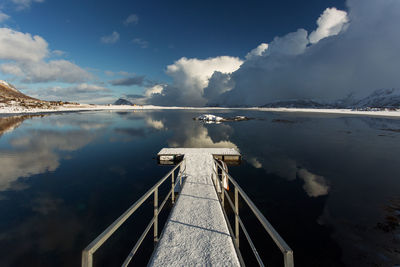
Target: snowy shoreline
{"type": "Point", "coordinates": [83, 107]}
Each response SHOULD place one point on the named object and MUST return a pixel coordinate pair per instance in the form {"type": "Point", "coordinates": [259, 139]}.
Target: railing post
{"type": "Point", "coordinates": [237, 216]}
{"type": "Point", "coordinates": [222, 196]}
{"type": "Point", "coordinates": [87, 259]}
{"type": "Point", "coordinates": [288, 259]}
{"type": "Point", "coordinates": [173, 189]}
{"type": "Point", "coordinates": [222, 187]}
{"type": "Point", "coordinates": [156, 215]}
{"type": "Point", "coordinates": [180, 177]}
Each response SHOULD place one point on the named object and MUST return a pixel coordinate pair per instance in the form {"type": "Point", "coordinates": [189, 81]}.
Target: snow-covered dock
{"type": "Point", "coordinates": [196, 233]}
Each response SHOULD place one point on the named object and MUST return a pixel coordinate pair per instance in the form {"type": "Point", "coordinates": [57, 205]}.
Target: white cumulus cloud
{"type": "Point", "coordinates": [110, 39]}
{"type": "Point", "coordinates": [41, 71]}
{"type": "Point", "coordinates": [331, 22]}
{"type": "Point", "coordinates": [291, 44]}
{"type": "Point", "coordinates": [20, 46]}
{"type": "Point", "coordinates": [155, 89]}
{"type": "Point", "coordinates": [258, 51]}
{"type": "Point", "coordinates": [25, 56]}
{"type": "Point", "coordinates": [84, 92]}
{"type": "Point", "coordinates": [190, 77]}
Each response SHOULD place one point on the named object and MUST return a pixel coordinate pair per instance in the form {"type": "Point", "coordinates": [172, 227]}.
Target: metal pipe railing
{"type": "Point", "coordinates": [285, 249]}
{"type": "Point", "coordinates": [87, 253]}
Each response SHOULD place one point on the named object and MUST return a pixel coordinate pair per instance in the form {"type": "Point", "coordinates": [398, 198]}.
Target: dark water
{"type": "Point", "coordinates": [329, 184]}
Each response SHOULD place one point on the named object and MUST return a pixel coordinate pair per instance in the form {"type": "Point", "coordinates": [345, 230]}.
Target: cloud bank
{"type": "Point", "coordinates": [353, 51]}
{"type": "Point", "coordinates": [190, 77]}
{"type": "Point", "coordinates": [135, 80]}
{"type": "Point", "coordinates": [331, 22]}
{"type": "Point", "coordinates": [84, 92]}
{"type": "Point", "coordinates": [25, 56]}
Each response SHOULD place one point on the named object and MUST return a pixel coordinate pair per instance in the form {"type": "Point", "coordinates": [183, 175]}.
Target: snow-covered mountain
{"type": "Point", "coordinates": [12, 97]}
{"type": "Point", "coordinates": [8, 92]}
{"type": "Point", "coordinates": [8, 86]}
{"type": "Point", "coordinates": [296, 103]}
{"type": "Point", "coordinates": [381, 98]}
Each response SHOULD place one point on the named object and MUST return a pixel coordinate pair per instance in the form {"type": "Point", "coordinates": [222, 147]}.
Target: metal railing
{"type": "Point", "coordinates": [221, 191]}
{"type": "Point", "coordinates": [87, 254]}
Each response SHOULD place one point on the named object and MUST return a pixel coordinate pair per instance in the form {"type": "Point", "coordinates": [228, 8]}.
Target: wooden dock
{"type": "Point", "coordinates": [196, 232]}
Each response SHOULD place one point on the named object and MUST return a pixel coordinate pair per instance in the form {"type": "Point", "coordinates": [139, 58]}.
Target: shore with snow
{"type": "Point", "coordinates": [380, 113]}
{"type": "Point", "coordinates": [85, 107]}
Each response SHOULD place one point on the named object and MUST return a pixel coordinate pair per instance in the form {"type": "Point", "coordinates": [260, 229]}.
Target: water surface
{"type": "Point", "coordinates": [328, 183]}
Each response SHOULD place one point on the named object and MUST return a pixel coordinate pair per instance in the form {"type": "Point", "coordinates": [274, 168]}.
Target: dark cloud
{"type": "Point", "coordinates": [363, 57]}
{"type": "Point", "coordinates": [134, 96]}
{"type": "Point", "coordinates": [137, 80]}
{"type": "Point", "coordinates": [219, 83]}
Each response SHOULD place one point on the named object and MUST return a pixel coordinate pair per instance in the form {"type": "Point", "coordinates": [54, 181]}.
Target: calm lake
{"type": "Point", "coordinates": [329, 184]}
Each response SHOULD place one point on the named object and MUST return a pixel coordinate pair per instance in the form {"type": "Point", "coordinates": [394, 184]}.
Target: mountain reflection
{"type": "Point", "coordinates": [36, 151]}
{"type": "Point", "coordinates": [8, 124]}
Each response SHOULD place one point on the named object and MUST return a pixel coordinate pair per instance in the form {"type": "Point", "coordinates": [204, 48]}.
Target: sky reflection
{"type": "Point", "coordinates": [338, 176]}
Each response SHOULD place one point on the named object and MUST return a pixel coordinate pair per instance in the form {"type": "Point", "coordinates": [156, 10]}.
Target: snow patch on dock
{"type": "Point", "coordinates": [196, 233]}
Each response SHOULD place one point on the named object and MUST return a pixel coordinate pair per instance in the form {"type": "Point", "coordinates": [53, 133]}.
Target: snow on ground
{"type": "Point", "coordinates": [196, 233]}
{"type": "Point", "coordinates": [384, 113]}
{"type": "Point", "coordinates": [16, 109]}
{"type": "Point", "coordinates": [209, 117]}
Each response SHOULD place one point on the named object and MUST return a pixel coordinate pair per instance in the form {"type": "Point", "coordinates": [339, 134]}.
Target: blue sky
{"type": "Point", "coordinates": [163, 32]}
{"type": "Point", "coordinates": [173, 29]}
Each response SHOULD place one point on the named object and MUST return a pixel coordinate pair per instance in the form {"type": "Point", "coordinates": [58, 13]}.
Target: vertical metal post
{"type": "Point", "coordinates": [87, 259]}
{"type": "Point", "coordinates": [222, 187]}
{"type": "Point", "coordinates": [173, 188]}
{"type": "Point", "coordinates": [180, 179]}
{"type": "Point", "coordinates": [156, 215]}
{"type": "Point", "coordinates": [237, 216]}
{"type": "Point", "coordinates": [288, 259]}
{"type": "Point", "coordinates": [222, 196]}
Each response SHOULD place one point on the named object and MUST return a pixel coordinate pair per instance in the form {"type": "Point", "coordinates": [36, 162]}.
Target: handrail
{"type": "Point", "coordinates": [283, 246]}
{"type": "Point", "coordinates": [87, 253]}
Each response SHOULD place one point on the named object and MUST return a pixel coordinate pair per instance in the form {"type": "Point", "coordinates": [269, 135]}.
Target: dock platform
{"type": "Point", "coordinates": [196, 232]}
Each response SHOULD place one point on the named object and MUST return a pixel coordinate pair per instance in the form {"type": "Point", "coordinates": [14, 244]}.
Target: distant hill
{"type": "Point", "coordinates": [296, 104]}
{"type": "Point", "coordinates": [122, 101]}
{"type": "Point", "coordinates": [10, 96]}
{"type": "Point", "coordinates": [379, 99]}
{"type": "Point", "coordinates": [9, 93]}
